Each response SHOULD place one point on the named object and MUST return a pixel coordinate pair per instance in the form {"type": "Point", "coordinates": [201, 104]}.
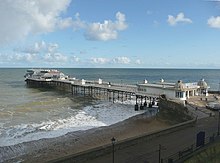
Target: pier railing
{"type": "Point", "coordinates": [107, 90]}
{"type": "Point", "coordinates": [92, 83]}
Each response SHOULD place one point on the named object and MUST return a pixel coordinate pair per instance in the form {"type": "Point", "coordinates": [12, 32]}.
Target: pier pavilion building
{"type": "Point", "coordinates": [176, 91]}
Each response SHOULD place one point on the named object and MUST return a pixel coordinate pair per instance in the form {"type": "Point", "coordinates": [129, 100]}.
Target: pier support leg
{"type": "Point", "coordinates": [150, 104]}
{"type": "Point", "coordinates": [153, 102]}
{"type": "Point", "coordinates": [136, 105]}
{"type": "Point", "coordinates": [141, 106]}
{"type": "Point", "coordinates": [145, 102]}
{"type": "Point", "coordinates": [122, 98]}
{"type": "Point", "coordinates": [110, 93]}
{"type": "Point", "coordinates": [118, 95]}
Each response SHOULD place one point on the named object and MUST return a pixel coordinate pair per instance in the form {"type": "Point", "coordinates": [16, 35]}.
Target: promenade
{"type": "Point", "coordinates": [171, 143]}
{"type": "Point", "coordinates": [168, 144]}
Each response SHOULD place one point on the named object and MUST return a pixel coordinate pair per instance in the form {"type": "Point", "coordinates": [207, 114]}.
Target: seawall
{"type": "Point", "coordinates": [24, 151]}
{"type": "Point", "coordinates": [173, 112]}
{"type": "Point", "coordinates": [107, 149]}
{"type": "Point", "coordinates": [166, 107]}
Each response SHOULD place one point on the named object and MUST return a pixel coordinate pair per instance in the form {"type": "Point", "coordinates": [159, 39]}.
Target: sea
{"type": "Point", "coordinates": [28, 114]}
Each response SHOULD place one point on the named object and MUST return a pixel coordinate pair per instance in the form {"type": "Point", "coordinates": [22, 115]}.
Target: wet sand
{"type": "Point", "coordinates": [48, 149]}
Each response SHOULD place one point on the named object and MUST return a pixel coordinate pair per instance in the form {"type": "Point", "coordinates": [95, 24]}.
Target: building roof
{"type": "Point", "coordinates": [202, 83]}
{"type": "Point", "coordinates": [177, 86]}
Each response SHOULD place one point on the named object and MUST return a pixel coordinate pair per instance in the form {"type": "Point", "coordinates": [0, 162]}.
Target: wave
{"type": "Point", "coordinates": [103, 114]}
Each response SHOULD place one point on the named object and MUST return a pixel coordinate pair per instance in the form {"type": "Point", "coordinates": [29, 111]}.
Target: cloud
{"type": "Point", "coordinates": [116, 60]}
{"type": "Point", "coordinates": [55, 57]}
{"type": "Point", "coordinates": [214, 22]}
{"type": "Point", "coordinates": [39, 47]}
{"type": "Point", "coordinates": [138, 61]}
{"type": "Point", "coordinates": [26, 57]}
{"type": "Point", "coordinates": [22, 18]}
{"type": "Point", "coordinates": [39, 52]}
{"type": "Point", "coordinates": [180, 18]}
{"type": "Point", "coordinates": [18, 58]}
{"type": "Point", "coordinates": [78, 23]}
{"type": "Point", "coordinates": [121, 60]}
{"type": "Point", "coordinates": [75, 59]}
{"type": "Point", "coordinates": [65, 23]}
{"type": "Point", "coordinates": [48, 54]}
{"type": "Point", "coordinates": [108, 30]}
{"type": "Point", "coordinates": [99, 60]}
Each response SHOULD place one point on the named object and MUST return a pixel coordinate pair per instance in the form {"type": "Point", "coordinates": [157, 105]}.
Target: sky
{"type": "Point", "coordinates": [110, 33]}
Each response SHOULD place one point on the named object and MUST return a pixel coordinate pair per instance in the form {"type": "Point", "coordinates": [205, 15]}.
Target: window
{"type": "Point", "coordinates": [179, 94]}
{"type": "Point", "coordinates": [142, 89]}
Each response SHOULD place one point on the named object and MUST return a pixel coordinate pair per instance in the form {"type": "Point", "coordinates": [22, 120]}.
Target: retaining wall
{"type": "Point", "coordinates": [107, 149]}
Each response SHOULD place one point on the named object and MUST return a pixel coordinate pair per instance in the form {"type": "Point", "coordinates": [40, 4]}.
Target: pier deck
{"type": "Point", "coordinates": [111, 91]}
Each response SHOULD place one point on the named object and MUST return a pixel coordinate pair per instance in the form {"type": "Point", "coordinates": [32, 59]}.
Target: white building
{"type": "Point", "coordinates": [177, 91]}
{"type": "Point", "coordinates": [45, 74]}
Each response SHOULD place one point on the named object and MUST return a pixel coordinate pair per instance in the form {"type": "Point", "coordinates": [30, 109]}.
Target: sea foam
{"type": "Point", "coordinates": [103, 114]}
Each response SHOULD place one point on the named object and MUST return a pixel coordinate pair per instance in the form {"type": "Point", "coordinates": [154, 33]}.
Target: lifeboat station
{"type": "Point", "coordinates": [175, 91]}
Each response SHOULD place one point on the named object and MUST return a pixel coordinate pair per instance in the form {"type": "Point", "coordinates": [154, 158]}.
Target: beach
{"type": "Point", "coordinates": [75, 142]}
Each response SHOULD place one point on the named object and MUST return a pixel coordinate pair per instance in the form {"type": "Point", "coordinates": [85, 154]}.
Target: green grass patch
{"type": "Point", "coordinates": [210, 154]}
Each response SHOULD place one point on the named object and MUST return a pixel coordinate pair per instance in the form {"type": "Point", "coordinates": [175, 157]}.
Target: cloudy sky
{"type": "Point", "coordinates": [116, 33]}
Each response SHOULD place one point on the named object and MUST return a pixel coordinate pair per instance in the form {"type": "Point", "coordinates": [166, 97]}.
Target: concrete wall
{"type": "Point", "coordinates": [170, 104]}
{"type": "Point", "coordinates": [166, 106]}
{"type": "Point", "coordinates": [173, 111]}
{"type": "Point", "coordinates": [107, 149]}
{"type": "Point", "coordinates": [170, 94]}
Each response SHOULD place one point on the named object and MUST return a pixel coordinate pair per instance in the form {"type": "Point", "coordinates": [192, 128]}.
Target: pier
{"type": "Point", "coordinates": [98, 89]}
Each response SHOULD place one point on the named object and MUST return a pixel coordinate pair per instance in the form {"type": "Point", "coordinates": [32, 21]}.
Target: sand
{"type": "Point", "coordinates": [72, 143]}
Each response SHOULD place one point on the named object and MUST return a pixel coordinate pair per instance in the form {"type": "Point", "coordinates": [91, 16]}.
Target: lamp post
{"type": "Point", "coordinates": [113, 149]}
{"type": "Point", "coordinates": [159, 156]}
{"type": "Point", "coordinates": [159, 153]}
{"type": "Point", "coordinates": [219, 88]}
{"type": "Point", "coordinates": [218, 122]}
